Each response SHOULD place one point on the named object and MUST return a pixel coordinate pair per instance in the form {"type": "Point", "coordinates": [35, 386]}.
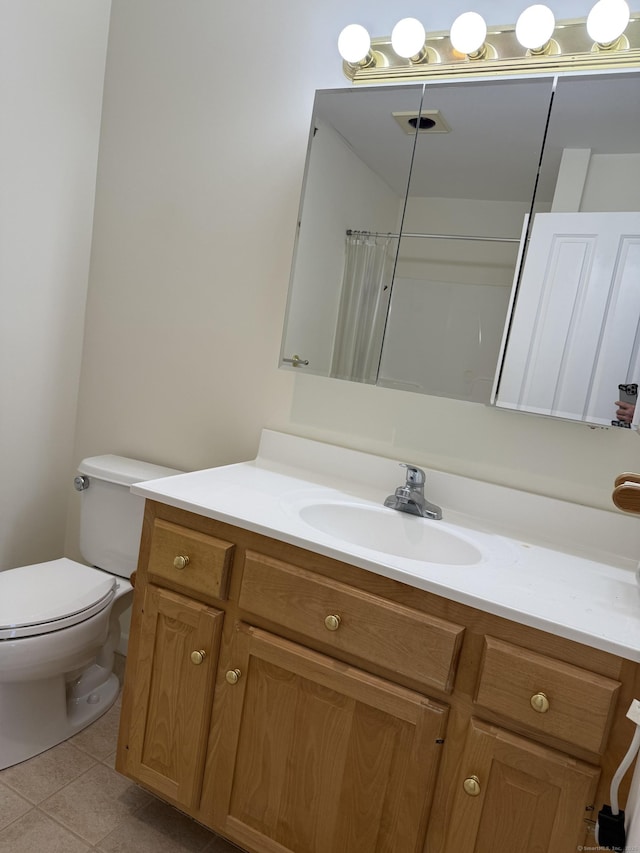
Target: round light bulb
{"type": "Point", "coordinates": [607, 21]}
{"type": "Point", "coordinates": [535, 27]}
{"type": "Point", "coordinates": [468, 32]}
{"type": "Point", "coordinates": [354, 43]}
{"type": "Point", "coordinates": [407, 37]}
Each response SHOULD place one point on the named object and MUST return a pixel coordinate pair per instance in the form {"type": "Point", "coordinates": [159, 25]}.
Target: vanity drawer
{"type": "Point", "coordinates": [190, 560]}
{"type": "Point", "coordinates": [547, 695]}
{"type": "Point", "coordinates": [398, 638]}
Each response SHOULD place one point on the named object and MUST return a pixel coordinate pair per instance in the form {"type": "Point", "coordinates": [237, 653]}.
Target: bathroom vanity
{"type": "Point", "coordinates": [297, 690]}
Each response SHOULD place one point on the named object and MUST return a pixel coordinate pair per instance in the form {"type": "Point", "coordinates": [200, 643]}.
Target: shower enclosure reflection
{"type": "Point", "coordinates": [364, 303]}
{"type": "Point", "coordinates": [472, 181]}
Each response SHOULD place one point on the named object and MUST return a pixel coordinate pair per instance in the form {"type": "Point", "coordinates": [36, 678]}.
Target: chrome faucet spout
{"type": "Point", "coordinates": [410, 497]}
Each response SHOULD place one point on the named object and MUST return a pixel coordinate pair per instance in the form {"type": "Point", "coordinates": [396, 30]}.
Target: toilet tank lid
{"type": "Point", "coordinates": [122, 470]}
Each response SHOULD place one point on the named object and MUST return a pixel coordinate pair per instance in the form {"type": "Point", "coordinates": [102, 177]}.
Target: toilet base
{"type": "Point", "coordinates": [91, 696]}
{"type": "Point", "coordinates": [71, 707]}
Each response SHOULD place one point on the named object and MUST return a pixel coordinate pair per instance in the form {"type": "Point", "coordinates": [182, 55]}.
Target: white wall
{"type": "Point", "coordinates": [613, 183]}
{"type": "Point", "coordinates": [52, 61]}
{"type": "Point", "coordinates": [202, 154]}
{"type": "Point", "coordinates": [352, 196]}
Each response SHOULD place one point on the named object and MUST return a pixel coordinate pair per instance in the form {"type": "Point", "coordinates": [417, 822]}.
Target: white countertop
{"type": "Point", "coordinates": [549, 564]}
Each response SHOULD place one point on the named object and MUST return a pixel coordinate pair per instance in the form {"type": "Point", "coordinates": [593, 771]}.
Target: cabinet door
{"type": "Point", "coordinates": [309, 755]}
{"type": "Point", "coordinates": [172, 694]}
{"type": "Point", "coordinates": [516, 795]}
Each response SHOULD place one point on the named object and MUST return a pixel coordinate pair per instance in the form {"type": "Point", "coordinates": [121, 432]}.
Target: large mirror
{"type": "Point", "coordinates": [420, 204]}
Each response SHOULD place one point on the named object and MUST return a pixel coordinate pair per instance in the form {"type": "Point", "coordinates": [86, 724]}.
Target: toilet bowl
{"type": "Point", "coordinates": [60, 620]}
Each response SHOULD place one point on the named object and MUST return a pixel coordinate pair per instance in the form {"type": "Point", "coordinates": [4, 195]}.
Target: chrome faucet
{"type": "Point", "coordinates": [410, 497]}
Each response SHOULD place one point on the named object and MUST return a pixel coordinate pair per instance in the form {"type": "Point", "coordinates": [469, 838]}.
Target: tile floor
{"type": "Point", "coordinates": [71, 800]}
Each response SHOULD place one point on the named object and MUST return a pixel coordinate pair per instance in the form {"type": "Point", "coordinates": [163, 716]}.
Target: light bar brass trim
{"type": "Point", "coordinates": [577, 53]}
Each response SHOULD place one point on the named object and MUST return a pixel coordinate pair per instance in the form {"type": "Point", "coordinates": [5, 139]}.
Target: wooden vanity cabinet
{"type": "Point", "coordinates": [172, 661]}
{"type": "Point", "coordinates": [170, 694]}
{"type": "Point", "coordinates": [331, 710]}
{"type": "Point", "coordinates": [520, 796]}
{"type": "Point", "coordinates": [512, 793]}
{"type": "Point", "coordinates": [309, 756]}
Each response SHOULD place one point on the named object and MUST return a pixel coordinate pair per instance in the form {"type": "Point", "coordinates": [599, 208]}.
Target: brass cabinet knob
{"type": "Point", "coordinates": [180, 562]}
{"type": "Point", "coordinates": [471, 786]}
{"type": "Point", "coordinates": [198, 657]}
{"type": "Point", "coordinates": [540, 703]}
{"type": "Point", "coordinates": [233, 676]}
{"type": "Point", "coordinates": [332, 622]}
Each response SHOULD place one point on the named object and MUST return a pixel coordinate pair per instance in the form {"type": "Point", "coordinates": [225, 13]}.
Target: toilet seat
{"type": "Point", "coordinates": [46, 597]}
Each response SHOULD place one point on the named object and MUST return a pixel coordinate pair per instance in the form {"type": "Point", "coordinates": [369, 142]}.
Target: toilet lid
{"type": "Point", "coordinates": [45, 597]}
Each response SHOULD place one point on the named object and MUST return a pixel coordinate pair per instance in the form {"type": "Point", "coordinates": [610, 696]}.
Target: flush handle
{"type": "Point", "coordinates": [181, 561]}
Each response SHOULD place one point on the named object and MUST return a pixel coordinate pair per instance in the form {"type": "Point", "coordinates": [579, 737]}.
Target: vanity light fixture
{"type": "Point", "coordinates": [534, 29]}
{"type": "Point", "coordinates": [354, 46]}
{"type": "Point", "coordinates": [608, 38]}
{"type": "Point", "coordinates": [606, 24]}
{"type": "Point", "coordinates": [409, 41]}
{"type": "Point", "coordinates": [468, 34]}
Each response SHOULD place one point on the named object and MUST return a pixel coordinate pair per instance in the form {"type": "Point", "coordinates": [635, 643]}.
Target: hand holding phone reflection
{"type": "Point", "coordinates": [625, 411]}
{"type": "Point", "coordinates": [626, 405]}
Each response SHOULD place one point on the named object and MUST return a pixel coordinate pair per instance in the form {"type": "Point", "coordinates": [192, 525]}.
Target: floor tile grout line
{"type": "Point", "coordinates": [75, 832]}
{"type": "Point", "coordinates": [64, 827]}
{"type": "Point", "coordinates": [20, 816]}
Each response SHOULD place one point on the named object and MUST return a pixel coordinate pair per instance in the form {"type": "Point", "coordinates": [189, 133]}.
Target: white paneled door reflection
{"type": "Point", "coordinates": [575, 331]}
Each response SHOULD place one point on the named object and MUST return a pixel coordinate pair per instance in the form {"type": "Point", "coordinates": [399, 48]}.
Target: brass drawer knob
{"type": "Point", "coordinates": [332, 622]}
{"type": "Point", "coordinates": [233, 676]}
{"type": "Point", "coordinates": [198, 657]}
{"type": "Point", "coordinates": [180, 562]}
{"type": "Point", "coordinates": [540, 703]}
{"type": "Point", "coordinates": [471, 786]}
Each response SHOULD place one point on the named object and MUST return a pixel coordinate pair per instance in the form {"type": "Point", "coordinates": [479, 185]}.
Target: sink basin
{"type": "Point", "coordinates": [391, 532]}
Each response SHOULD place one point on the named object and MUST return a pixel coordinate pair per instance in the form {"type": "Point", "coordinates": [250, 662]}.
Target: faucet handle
{"type": "Point", "coordinates": [415, 476]}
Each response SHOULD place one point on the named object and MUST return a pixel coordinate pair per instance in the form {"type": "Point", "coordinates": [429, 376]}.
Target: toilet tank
{"type": "Point", "coordinates": [110, 515]}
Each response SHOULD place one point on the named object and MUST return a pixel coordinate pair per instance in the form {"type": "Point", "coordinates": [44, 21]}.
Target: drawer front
{"type": "Point", "coordinates": [547, 695]}
{"type": "Point", "coordinates": [398, 638]}
{"type": "Point", "coordinates": [193, 561]}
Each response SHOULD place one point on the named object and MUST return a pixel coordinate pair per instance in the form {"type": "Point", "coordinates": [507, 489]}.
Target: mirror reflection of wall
{"type": "Point", "coordinates": [575, 333]}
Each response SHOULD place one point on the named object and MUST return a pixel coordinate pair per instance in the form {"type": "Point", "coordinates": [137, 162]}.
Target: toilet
{"type": "Point", "coordinates": [60, 620]}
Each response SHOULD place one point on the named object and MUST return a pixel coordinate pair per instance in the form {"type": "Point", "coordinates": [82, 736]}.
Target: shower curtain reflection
{"type": "Point", "coordinates": [364, 301]}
